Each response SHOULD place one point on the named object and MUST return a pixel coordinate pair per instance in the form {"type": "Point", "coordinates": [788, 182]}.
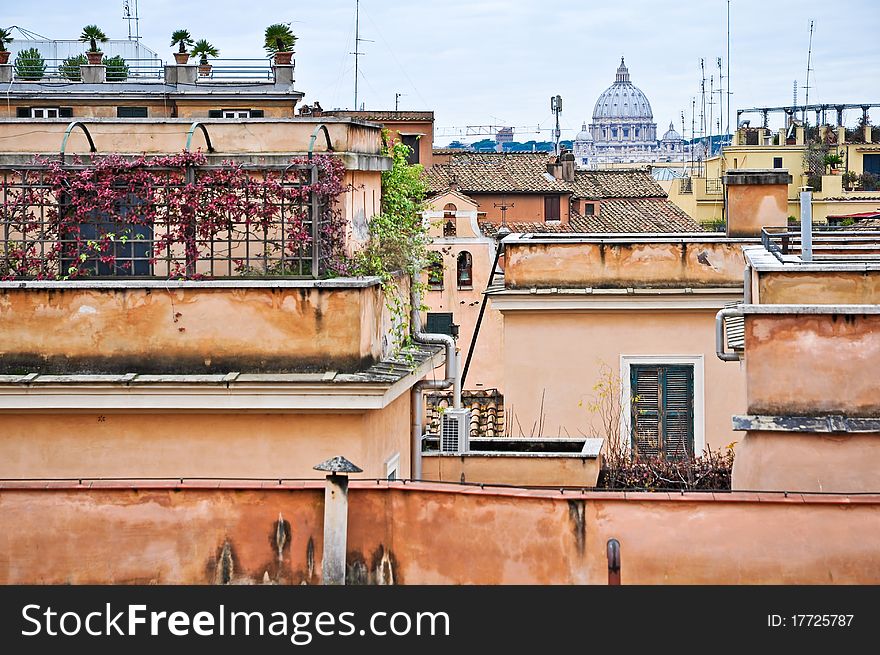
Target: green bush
{"type": "Point", "coordinates": [69, 68]}
{"type": "Point", "coordinates": [117, 69]}
{"type": "Point", "coordinates": [30, 65]}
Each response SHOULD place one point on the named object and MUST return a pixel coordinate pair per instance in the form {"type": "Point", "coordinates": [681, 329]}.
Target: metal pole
{"type": "Point", "coordinates": [806, 224]}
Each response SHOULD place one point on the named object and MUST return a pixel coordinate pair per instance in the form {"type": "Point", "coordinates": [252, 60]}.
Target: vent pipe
{"type": "Point", "coordinates": [453, 378]}
{"type": "Point", "coordinates": [806, 224]}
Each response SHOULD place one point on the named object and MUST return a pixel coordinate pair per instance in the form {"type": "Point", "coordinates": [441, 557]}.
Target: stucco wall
{"type": "Point", "coordinates": [188, 329]}
{"type": "Point", "coordinates": [751, 207]}
{"type": "Point", "coordinates": [805, 365]}
{"type": "Point", "coordinates": [553, 359]}
{"type": "Point", "coordinates": [424, 534]}
{"type": "Point", "coordinates": [831, 462]}
{"type": "Point", "coordinates": [818, 288]}
{"type": "Point", "coordinates": [114, 444]}
{"type": "Point", "coordinates": [527, 207]}
{"type": "Point", "coordinates": [621, 264]}
{"type": "Point", "coordinates": [511, 469]}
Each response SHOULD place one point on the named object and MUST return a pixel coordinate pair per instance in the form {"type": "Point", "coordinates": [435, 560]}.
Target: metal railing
{"type": "Point", "coordinates": [714, 186]}
{"type": "Point", "coordinates": [252, 70]}
{"type": "Point", "coordinates": [182, 225]}
{"type": "Point", "coordinates": [830, 243]}
{"type": "Point", "coordinates": [61, 70]}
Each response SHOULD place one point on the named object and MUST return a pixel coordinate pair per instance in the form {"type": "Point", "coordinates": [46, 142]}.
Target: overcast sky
{"type": "Point", "coordinates": [498, 62]}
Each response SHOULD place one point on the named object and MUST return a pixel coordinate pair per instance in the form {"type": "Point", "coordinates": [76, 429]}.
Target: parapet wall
{"type": "Point", "coordinates": [421, 533]}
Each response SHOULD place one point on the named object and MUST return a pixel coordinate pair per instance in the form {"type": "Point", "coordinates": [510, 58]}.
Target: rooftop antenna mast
{"type": "Point", "coordinates": [127, 15]}
{"type": "Point", "coordinates": [729, 91]}
{"type": "Point", "coordinates": [702, 99]}
{"type": "Point", "coordinates": [556, 108]}
{"type": "Point", "coordinates": [711, 110]}
{"type": "Point", "coordinates": [357, 42]}
{"type": "Point", "coordinates": [807, 86]}
{"type": "Point", "coordinates": [720, 97]}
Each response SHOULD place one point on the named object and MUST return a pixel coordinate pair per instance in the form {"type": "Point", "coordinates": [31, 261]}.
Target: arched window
{"type": "Point", "coordinates": [450, 208]}
{"type": "Point", "coordinates": [465, 270]}
{"type": "Point", "coordinates": [449, 229]}
{"type": "Point", "coordinates": [435, 271]}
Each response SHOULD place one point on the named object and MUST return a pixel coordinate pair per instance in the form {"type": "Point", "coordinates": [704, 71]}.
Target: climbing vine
{"type": "Point", "coordinates": [398, 238]}
{"type": "Point", "coordinates": [137, 216]}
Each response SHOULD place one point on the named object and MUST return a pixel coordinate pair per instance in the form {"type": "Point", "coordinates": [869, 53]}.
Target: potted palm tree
{"type": "Point", "coordinates": [182, 39]}
{"type": "Point", "coordinates": [279, 42]}
{"type": "Point", "coordinates": [5, 37]}
{"type": "Point", "coordinates": [202, 49]}
{"type": "Point", "coordinates": [93, 35]}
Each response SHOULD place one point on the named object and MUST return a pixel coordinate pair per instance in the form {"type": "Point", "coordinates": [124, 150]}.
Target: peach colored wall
{"type": "Point", "coordinates": [751, 207]}
{"type": "Point", "coordinates": [822, 287]}
{"type": "Point", "coordinates": [180, 444]}
{"type": "Point", "coordinates": [532, 471]}
{"type": "Point", "coordinates": [803, 461]}
{"type": "Point", "coordinates": [624, 264]}
{"type": "Point", "coordinates": [426, 142]}
{"type": "Point", "coordinates": [812, 364]}
{"type": "Point", "coordinates": [436, 534]}
{"type": "Point", "coordinates": [149, 136]}
{"type": "Point", "coordinates": [184, 108]}
{"type": "Point", "coordinates": [556, 357]}
{"type": "Point", "coordinates": [527, 207]}
{"type": "Point", "coordinates": [189, 328]}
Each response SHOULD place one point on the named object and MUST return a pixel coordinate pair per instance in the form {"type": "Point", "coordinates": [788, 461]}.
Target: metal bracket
{"type": "Point", "coordinates": [189, 136]}
{"type": "Point", "coordinates": [67, 132]}
{"type": "Point", "coordinates": [319, 128]}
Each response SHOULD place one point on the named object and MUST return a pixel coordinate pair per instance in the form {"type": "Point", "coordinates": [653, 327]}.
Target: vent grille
{"type": "Point", "coordinates": [454, 431]}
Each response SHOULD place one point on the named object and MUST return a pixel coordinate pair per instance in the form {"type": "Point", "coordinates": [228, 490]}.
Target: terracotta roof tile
{"type": "Point", "coordinates": [634, 215]}
{"type": "Point", "coordinates": [615, 183]}
{"type": "Point", "coordinates": [483, 172]}
{"type": "Point", "coordinates": [522, 227]}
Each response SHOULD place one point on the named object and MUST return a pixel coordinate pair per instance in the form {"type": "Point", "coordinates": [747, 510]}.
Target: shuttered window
{"type": "Point", "coordinates": [439, 323]}
{"type": "Point", "coordinates": [663, 410]}
{"type": "Point", "coordinates": [131, 112]}
{"type": "Point", "coordinates": [551, 208]}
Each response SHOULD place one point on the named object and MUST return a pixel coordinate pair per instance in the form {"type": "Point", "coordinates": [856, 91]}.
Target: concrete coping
{"type": "Point", "coordinates": [732, 289]}
{"type": "Point", "coordinates": [756, 176]}
{"type": "Point", "coordinates": [242, 283]}
{"type": "Point", "coordinates": [764, 261]}
{"type": "Point", "coordinates": [799, 310]}
{"type": "Point", "coordinates": [592, 447]}
{"type": "Point", "coordinates": [833, 423]}
{"type": "Point", "coordinates": [617, 238]}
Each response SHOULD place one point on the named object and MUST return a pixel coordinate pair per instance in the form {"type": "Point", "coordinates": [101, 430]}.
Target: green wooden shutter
{"type": "Point", "coordinates": [439, 323]}
{"type": "Point", "coordinates": [65, 112]}
{"type": "Point", "coordinates": [662, 410]}
{"type": "Point", "coordinates": [22, 112]}
{"type": "Point", "coordinates": [256, 113]}
{"type": "Point", "coordinates": [215, 113]}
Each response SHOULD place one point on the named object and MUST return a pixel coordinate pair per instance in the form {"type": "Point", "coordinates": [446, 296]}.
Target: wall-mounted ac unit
{"type": "Point", "coordinates": [455, 429]}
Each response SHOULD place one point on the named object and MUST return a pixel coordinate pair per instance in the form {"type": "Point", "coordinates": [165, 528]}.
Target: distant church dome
{"type": "Point", "coordinates": [671, 134]}
{"type": "Point", "coordinates": [622, 100]}
{"type": "Point", "coordinates": [584, 134]}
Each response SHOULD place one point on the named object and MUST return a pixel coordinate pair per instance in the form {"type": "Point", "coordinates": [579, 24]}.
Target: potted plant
{"type": "Point", "coordinates": [93, 35]}
{"type": "Point", "coordinates": [279, 42]}
{"type": "Point", "coordinates": [117, 68]}
{"type": "Point", "coordinates": [202, 49]}
{"type": "Point", "coordinates": [30, 65]}
{"type": "Point", "coordinates": [834, 161]}
{"type": "Point", "coordinates": [5, 38]}
{"type": "Point", "coordinates": [182, 39]}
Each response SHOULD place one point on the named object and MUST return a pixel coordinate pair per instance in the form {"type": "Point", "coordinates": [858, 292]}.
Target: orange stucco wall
{"type": "Point", "coordinates": [189, 328]}
{"type": "Point", "coordinates": [173, 444]}
{"type": "Point", "coordinates": [828, 462]}
{"type": "Point", "coordinates": [158, 109]}
{"type": "Point", "coordinates": [513, 470]}
{"type": "Point", "coordinates": [525, 207]}
{"type": "Point", "coordinates": [622, 264]}
{"type": "Point", "coordinates": [823, 288]}
{"type": "Point", "coordinates": [553, 359]}
{"type": "Point", "coordinates": [751, 207]}
{"type": "Point", "coordinates": [813, 364]}
{"type": "Point", "coordinates": [434, 534]}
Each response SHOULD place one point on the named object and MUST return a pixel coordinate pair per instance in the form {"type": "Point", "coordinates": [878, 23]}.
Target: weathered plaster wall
{"type": "Point", "coordinates": [428, 534]}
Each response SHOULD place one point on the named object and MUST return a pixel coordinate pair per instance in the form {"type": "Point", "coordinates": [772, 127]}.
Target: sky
{"type": "Point", "coordinates": [498, 63]}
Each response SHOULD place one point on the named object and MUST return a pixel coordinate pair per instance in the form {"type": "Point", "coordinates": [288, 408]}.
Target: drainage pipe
{"type": "Point", "coordinates": [452, 372]}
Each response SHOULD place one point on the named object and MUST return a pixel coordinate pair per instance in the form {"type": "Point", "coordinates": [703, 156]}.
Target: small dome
{"type": "Point", "coordinates": [584, 134]}
{"type": "Point", "coordinates": [671, 134]}
{"type": "Point", "coordinates": [623, 100]}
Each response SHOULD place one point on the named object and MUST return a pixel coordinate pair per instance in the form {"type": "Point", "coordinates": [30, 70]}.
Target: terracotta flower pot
{"type": "Point", "coordinates": [204, 70]}
{"type": "Point", "coordinates": [181, 58]}
{"type": "Point", "coordinates": [4, 56]}
{"type": "Point", "coordinates": [94, 57]}
{"type": "Point", "coordinates": [283, 58]}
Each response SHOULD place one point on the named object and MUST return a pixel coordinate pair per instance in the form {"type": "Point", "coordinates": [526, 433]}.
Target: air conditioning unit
{"type": "Point", "coordinates": [455, 429]}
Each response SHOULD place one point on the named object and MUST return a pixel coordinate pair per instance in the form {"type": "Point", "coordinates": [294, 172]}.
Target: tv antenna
{"type": "Point", "coordinates": [397, 97]}
{"type": "Point", "coordinates": [807, 86]}
{"type": "Point", "coordinates": [357, 42]}
{"type": "Point", "coordinates": [127, 15]}
{"type": "Point", "coordinates": [556, 108]}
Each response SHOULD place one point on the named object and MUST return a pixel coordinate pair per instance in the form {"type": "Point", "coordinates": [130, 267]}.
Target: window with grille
{"type": "Point", "coordinates": [131, 112]}
{"type": "Point", "coordinates": [465, 270]}
{"type": "Point", "coordinates": [235, 113]}
{"type": "Point", "coordinates": [662, 410]}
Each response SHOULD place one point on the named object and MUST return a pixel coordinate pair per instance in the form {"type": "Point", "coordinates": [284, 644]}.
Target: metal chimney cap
{"type": "Point", "coordinates": [338, 464]}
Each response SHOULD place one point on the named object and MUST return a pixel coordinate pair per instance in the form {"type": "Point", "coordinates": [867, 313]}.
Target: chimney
{"type": "Point", "coordinates": [568, 167]}
{"type": "Point", "coordinates": [755, 198]}
{"type": "Point", "coordinates": [554, 168]}
{"type": "Point", "coordinates": [182, 74]}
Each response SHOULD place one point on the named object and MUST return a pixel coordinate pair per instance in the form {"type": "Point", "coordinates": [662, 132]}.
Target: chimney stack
{"type": "Point", "coordinates": [755, 198]}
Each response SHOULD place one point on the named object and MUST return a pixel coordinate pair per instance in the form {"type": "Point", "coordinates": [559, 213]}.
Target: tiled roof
{"type": "Point", "coordinates": [455, 193]}
{"type": "Point", "coordinates": [383, 116]}
{"type": "Point", "coordinates": [495, 173]}
{"type": "Point", "coordinates": [521, 227]}
{"type": "Point", "coordinates": [616, 183]}
{"type": "Point", "coordinates": [635, 215]}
